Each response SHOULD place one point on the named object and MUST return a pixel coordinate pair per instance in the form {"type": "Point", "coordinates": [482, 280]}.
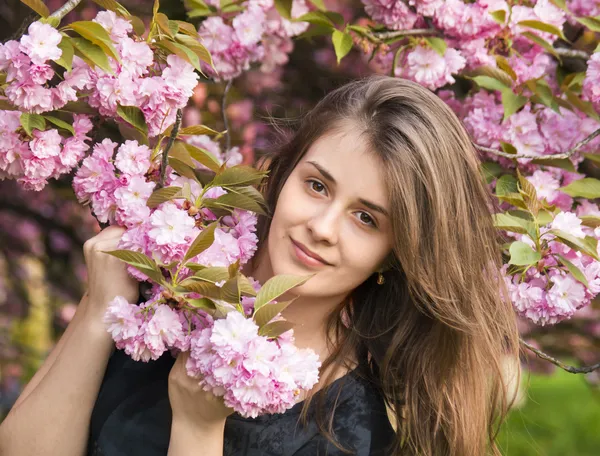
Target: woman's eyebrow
{"type": "Point", "coordinates": [327, 175]}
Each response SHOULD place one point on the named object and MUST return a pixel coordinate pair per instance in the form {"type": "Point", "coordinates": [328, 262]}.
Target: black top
{"type": "Point", "coordinates": [132, 417]}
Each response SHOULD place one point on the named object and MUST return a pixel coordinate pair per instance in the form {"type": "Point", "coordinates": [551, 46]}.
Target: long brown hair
{"type": "Point", "coordinates": [434, 337]}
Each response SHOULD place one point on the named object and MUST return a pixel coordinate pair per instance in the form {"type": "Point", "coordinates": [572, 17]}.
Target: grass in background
{"type": "Point", "coordinates": [561, 417]}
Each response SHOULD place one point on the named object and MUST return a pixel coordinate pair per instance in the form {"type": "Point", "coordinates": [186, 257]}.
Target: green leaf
{"type": "Point", "coordinates": [588, 187]}
{"type": "Point", "coordinates": [505, 66]}
{"type": "Point", "coordinates": [180, 152]}
{"type": "Point", "coordinates": [284, 7]}
{"type": "Point", "coordinates": [527, 190]}
{"type": "Point", "coordinates": [212, 274]}
{"type": "Point", "coordinates": [560, 3]}
{"type": "Point", "coordinates": [593, 221]}
{"type": "Point", "coordinates": [491, 170]}
{"type": "Point", "coordinates": [182, 168]}
{"type": "Point", "coordinates": [138, 26]}
{"type": "Point", "coordinates": [320, 4]}
{"type": "Point", "coordinates": [161, 195]}
{"type": "Point", "coordinates": [235, 201]}
{"type": "Point", "coordinates": [66, 58]}
{"type": "Point", "coordinates": [512, 102]}
{"type": "Point", "coordinates": [141, 262]}
{"type": "Point", "coordinates": [521, 254]}
{"type": "Point", "coordinates": [197, 48]}
{"type": "Point", "coordinates": [249, 192]}
{"type": "Point", "coordinates": [592, 23]}
{"type": "Point", "coordinates": [31, 121]}
{"type": "Point", "coordinates": [508, 148]}
{"type": "Point", "coordinates": [512, 223]}
{"type": "Point", "coordinates": [245, 286]}
{"type": "Point", "coordinates": [587, 245]}
{"type": "Point", "coordinates": [275, 329]}
{"type": "Point", "coordinates": [239, 175]}
{"type": "Point", "coordinates": [316, 17]}
{"type": "Point", "coordinates": [188, 29]}
{"type": "Point", "coordinates": [266, 313]}
{"type": "Point", "coordinates": [60, 123]}
{"type": "Point", "coordinates": [203, 241]}
{"type": "Point", "coordinates": [506, 184]}
{"type": "Point", "coordinates": [499, 16]}
{"type": "Point", "coordinates": [195, 266]}
{"type": "Point", "coordinates": [198, 130]}
{"type": "Point", "coordinates": [562, 163]}
{"type": "Point", "coordinates": [541, 42]}
{"type": "Point", "coordinates": [203, 157]}
{"type": "Point", "coordinates": [182, 51]}
{"type": "Point", "coordinates": [95, 33]}
{"type": "Point", "coordinates": [112, 5]}
{"type": "Point", "coordinates": [202, 303]}
{"type": "Point", "coordinates": [276, 286]}
{"type": "Point", "coordinates": [163, 24]}
{"type": "Point", "coordinates": [206, 289]}
{"type": "Point", "coordinates": [489, 83]}
{"type": "Point", "coordinates": [544, 27]}
{"type": "Point", "coordinates": [342, 44]}
{"type": "Point", "coordinates": [437, 44]}
{"type": "Point", "coordinates": [38, 6]}
{"type": "Point", "coordinates": [134, 116]}
{"type": "Point", "coordinates": [93, 55]}
{"type": "Point", "coordinates": [574, 270]}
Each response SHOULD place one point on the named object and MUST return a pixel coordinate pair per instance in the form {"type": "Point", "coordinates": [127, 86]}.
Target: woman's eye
{"type": "Point", "coordinates": [366, 219]}
{"type": "Point", "coordinates": [316, 186]}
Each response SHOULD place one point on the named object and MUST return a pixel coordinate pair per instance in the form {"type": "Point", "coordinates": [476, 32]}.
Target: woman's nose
{"type": "Point", "coordinates": [324, 226]}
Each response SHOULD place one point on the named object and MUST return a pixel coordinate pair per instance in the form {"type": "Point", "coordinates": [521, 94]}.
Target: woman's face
{"type": "Point", "coordinates": [333, 206]}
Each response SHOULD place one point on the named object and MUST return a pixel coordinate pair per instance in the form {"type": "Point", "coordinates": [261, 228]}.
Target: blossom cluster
{"type": "Point", "coordinates": [473, 37]}
{"type": "Point", "coordinates": [253, 373]}
{"type": "Point", "coordinates": [118, 190]}
{"type": "Point", "coordinates": [549, 293]}
{"type": "Point", "coordinates": [257, 34]}
{"type": "Point", "coordinates": [46, 154]}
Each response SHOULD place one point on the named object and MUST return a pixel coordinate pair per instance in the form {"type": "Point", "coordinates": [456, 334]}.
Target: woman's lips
{"type": "Point", "coordinates": [306, 256]}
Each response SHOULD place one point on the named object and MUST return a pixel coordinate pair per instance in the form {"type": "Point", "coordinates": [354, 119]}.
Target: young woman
{"type": "Point", "coordinates": [379, 195]}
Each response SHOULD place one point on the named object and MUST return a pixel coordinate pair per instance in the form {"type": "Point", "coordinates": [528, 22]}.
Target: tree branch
{"type": "Point", "coordinates": [566, 154]}
{"type": "Point", "coordinates": [398, 33]}
{"type": "Point", "coordinates": [574, 53]}
{"type": "Point", "coordinates": [571, 369]}
{"type": "Point", "coordinates": [65, 9]}
{"type": "Point", "coordinates": [165, 154]}
{"type": "Point", "coordinates": [224, 113]}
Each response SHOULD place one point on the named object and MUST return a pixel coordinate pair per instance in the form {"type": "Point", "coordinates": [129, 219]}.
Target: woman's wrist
{"type": "Point", "coordinates": [187, 437]}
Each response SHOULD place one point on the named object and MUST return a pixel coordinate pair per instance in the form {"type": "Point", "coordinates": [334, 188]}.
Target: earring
{"type": "Point", "coordinates": [380, 279]}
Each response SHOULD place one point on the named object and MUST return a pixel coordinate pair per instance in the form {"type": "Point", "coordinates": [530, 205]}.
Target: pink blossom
{"type": "Point", "coordinates": [163, 330]}
{"type": "Point", "coordinates": [546, 185]}
{"type": "Point", "coordinates": [136, 57]}
{"type": "Point", "coordinates": [133, 158]}
{"type": "Point", "coordinates": [122, 319]}
{"type": "Point", "coordinates": [45, 144]}
{"type": "Point", "coordinates": [395, 15]}
{"type": "Point", "coordinates": [564, 298]}
{"type": "Point", "coordinates": [116, 26]}
{"type": "Point", "coordinates": [171, 225]}
{"type": "Point", "coordinates": [591, 84]}
{"type": "Point", "coordinates": [569, 223]}
{"type": "Point", "coordinates": [428, 68]}
{"type": "Point", "coordinates": [248, 26]}
{"type": "Point", "coordinates": [41, 43]}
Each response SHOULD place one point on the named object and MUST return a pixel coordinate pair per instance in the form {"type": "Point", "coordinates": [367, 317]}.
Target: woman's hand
{"type": "Point", "coordinates": [198, 415]}
{"type": "Point", "coordinates": [107, 275]}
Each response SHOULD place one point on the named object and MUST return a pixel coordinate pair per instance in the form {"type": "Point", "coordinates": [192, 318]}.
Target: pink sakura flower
{"type": "Point", "coordinates": [546, 185]}
{"type": "Point", "coordinates": [133, 158]}
{"type": "Point", "coordinates": [45, 144]}
{"type": "Point", "coordinates": [136, 57]}
{"type": "Point", "coordinates": [428, 68]}
{"type": "Point", "coordinates": [122, 319]}
{"type": "Point", "coordinates": [569, 223]}
{"type": "Point", "coordinates": [171, 225]}
{"type": "Point", "coordinates": [248, 25]}
{"type": "Point", "coordinates": [591, 83]}
{"type": "Point", "coordinates": [41, 43]}
{"type": "Point", "coordinates": [231, 335]}
{"type": "Point", "coordinates": [426, 7]}
{"type": "Point", "coordinates": [564, 298]}
{"type": "Point", "coordinates": [395, 15]}
{"type": "Point", "coordinates": [116, 26]}
{"type": "Point", "coordinates": [163, 330]}
{"type": "Point", "coordinates": [32, 98]}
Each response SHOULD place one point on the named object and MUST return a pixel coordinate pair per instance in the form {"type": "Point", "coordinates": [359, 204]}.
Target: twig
{"type": "Point", "coordinates": [165, 154]}
{"type": "Point", "coordinates": [574, 53]}
{"type": "Point", "coordinates": [397, 33]}
{"type": "Point", "coordinates": [65, 9]}
{"type": "Point", "coordinates": [224, 113]}
{"type": "Point", "coordinates": [571, 369]}
{"type": "Point", "coordinates": [566, 154]}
